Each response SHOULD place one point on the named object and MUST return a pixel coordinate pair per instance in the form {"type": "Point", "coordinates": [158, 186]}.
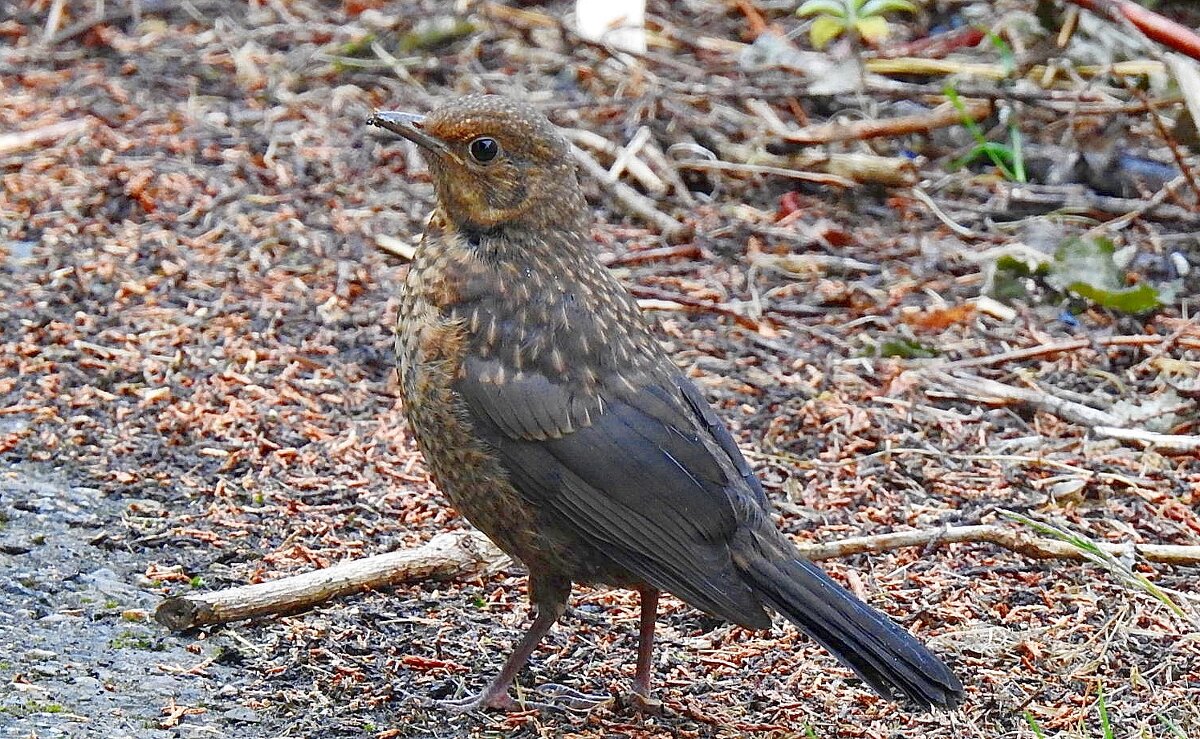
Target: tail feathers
{"type": "Point", "coordinates": [881, 652]}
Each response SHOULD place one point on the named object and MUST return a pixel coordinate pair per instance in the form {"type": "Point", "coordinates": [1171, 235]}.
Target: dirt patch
{"type": "Point", "coordinates": [82, 657]}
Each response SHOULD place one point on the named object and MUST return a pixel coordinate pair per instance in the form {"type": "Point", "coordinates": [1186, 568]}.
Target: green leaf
{"type": "Point", "coordinates": [1087, 269]}
{"type": "Point", "coordinates": [1033, 726]}
{"type": "Point", "coordinates": [825, 29]}
{"type": "Point", "coordinates": [873, 28]}
{"type": "Point", "coordinates": [1009, 278]}
{"type": "Point", "coordinates": [1093, 553]}
{"type": "Point", "coordinates": [1001, 156]}
{"type": "Point", "coordinates": [1017, 149]}
{"type": "Point", "coordinates": [828, 7]}
{"type": "Point", "coordinates": [905, 349]}
{"type": "Point", "coordinates": [879, 7]}
{"type": "Point", "coordinates": [1105, 725]}
{"type": "Point", "coordinates": [1134, 300]}
{"type": "Point", "coordinates": [1171, 727]}
{"type": "Point", "coordinates": [1007, 58]}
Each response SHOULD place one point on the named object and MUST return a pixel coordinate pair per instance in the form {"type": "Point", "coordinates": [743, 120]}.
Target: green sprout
{"type": "Point", "coordinates": [1009, 158]}
{"type": "Point", "coordinates": [856, 18]}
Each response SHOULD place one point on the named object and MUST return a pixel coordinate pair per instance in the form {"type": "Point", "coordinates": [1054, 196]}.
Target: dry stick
{"type": "Point", "coordinates": [1065, 346]}
{"type": "Point", "coordinates": [1163, 30]}
{"type": "Point", "coordinates": [987, 390]}
{"type": "Point", "coordinates": [634, 166]}
{"type": "Point", "coordinates": [844, 169]}
{"type": "Point", "coordinates": [396, 247]}
{"type": "Point", "coordinates": [1179, 442]}
{"type": "Point", "coordinates": [942, 116]}
{"type": "Point", "coordinates": [1030, 546]}
{"type": "Point", "coordinates": [650, 298]}
{"type": "Point", "coordinates": [445, 556]}
{"type": "Point", "coordinates": [642, 256]}
{"type": "Point", "coordinates": [1172, 144]}
{"type": "Point", "coordinates": [638, 204]}
{"type": "Point", "coordinates": [10, 143]}
{"type": "Point", "coordinates": [795, 174]}
{"type": "Point", "coordinates": [463, 554]}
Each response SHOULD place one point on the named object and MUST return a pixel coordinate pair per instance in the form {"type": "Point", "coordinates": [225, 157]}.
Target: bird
{"type": "Point", "coordinates": [552, 418]}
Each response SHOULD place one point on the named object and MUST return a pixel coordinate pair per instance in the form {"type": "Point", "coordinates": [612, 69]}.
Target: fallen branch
{"type": "Point", "coordinates": [459, 554]}
{"type": "Point", "coordinates": [1046, 350]}
{"type": "Point", "coordinates": [1176, 442]}
{"type": "Point", "coordinates": [633, 201]}
{"type": "Point", "coordinates": [10, 143]}
{"type": "Point", "coordinates": [445, 556]}
{"type": "Point", "coordinates": [993, 392]}
{"type": "Point", "coordinates": [847, 167]}
{"type": "Point", "coordinates": [1029, 546]}
{"type": "Point", "coordinates": [942, 116]}
{"type": "Point", "coordinates": [1163, 30]}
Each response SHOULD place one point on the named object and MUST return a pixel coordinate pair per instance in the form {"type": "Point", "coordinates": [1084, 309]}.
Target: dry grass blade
{"type": "Point", "coordinates": [1115, 565]}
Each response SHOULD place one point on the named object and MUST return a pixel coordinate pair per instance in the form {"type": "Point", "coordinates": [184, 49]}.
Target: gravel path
{"type": "Point", "coordinates": [81, 657]}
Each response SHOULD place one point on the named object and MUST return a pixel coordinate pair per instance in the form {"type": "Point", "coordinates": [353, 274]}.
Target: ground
{"type": "Point", "coordinates": [197, 387]}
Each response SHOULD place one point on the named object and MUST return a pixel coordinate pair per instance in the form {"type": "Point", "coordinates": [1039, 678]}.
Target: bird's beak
{"type": "Point", "coordinates": [407, 125]}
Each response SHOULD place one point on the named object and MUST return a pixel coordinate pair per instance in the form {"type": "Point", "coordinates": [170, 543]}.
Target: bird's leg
{"type": "Point", "coordinates": [641, 678]}
{"type": "Point", "coordinates": [550, 599]}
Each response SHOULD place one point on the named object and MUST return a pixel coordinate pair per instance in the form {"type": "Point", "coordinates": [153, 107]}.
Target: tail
{"type": "Point", "coordinates": [883, 654]}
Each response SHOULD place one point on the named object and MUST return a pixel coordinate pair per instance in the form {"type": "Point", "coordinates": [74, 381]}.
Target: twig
{"type": "Point", "coordinates": [641, 256]}
{"type": "Point", "coordinates": [942, 116]}
{"type": "Point", "coordinates": [445, 556]}
{"type": "Point", "coordinates": [1163, 30]}
{"type": "Point", "coordinates": [991, 391]}
{"type": "Point", "coordinates": [1170, 141]}
{"type": "Point", "coordinates": [132, 10]}
{"type": "Point", "coordinates": [849, 167]}
{"type": "Point", "coordinates": [636, 167]}
{"type": "Point", "coordinates": [638, 204]}
{"type": "Point", "coordinates": [650, 298]}
{"type": "Point", "coordinates": [1177, 442]}
{"type": "Point", "coordinates": [795, 174]}
{"type": "Point", "coordinates": [396, 247]}
{"type": "Point", "coordinates": [1032, 547]}
{"type": "Point", "coordinates": [455, 555]}
{"type": "Point", "coordinates": [11, 143]}
{"type": "Point", "coordinates": [942, 216]}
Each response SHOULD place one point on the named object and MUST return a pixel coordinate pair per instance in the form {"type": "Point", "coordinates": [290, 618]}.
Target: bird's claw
{"type": "Point", "coordinates": [645, 704]}
{"type": "Point", "coordinates": [559, 698]}
{"type": "Point", "coordinates": [571, 699]}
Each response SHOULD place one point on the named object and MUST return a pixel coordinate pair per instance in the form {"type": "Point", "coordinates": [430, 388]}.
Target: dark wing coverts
{"type": "Point", "coordinates": [666, 511]}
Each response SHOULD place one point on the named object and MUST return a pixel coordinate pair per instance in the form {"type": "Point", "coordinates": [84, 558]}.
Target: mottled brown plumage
{"type": "Point", "coordinates": [552, 419]}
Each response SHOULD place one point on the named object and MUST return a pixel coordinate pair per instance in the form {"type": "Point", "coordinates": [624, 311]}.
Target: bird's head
{"type": "Point", "coordinates": [494, 162]}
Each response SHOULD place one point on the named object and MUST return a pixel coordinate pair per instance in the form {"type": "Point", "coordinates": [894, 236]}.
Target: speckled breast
{"type": "Point", "coordinates": [430, 346]}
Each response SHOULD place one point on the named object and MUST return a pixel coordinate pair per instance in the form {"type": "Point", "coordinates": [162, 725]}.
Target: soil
{"type": "Point", "coordinates": [197, 387]}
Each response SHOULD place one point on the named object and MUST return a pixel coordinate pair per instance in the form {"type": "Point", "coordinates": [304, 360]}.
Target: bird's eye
{"type": "Point", "coordinates": [483, 149]}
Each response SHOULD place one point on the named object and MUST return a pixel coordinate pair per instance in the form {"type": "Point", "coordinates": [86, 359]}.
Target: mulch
{"type": "Point", "coordinates": [195, 313]}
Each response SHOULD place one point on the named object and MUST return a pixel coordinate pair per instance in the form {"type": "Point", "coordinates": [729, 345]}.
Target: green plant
{"type": "Point", "coordinates": [1082, 269]}
{"type": "Point", "coordinates": [1008, 158]}
{"type": "Point", "coordinates": [1101, 708]}
{"type": "Point", "coordinates": [1094, 554]}
{"type": "Point", "coordinates": [857, 18]}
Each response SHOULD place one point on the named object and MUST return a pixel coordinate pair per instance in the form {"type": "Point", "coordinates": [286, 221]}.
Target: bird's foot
{"type": "Point", "coordinates": [559, 698]}
{"type": "Point", "coordinates": [643, 703]}
{"type": "Point", "coordinates": [479, 702]}
{"type": "Point", "coordinates": [571, 699]}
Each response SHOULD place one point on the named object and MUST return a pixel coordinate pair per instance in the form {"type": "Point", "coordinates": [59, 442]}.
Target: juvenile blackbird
{"type": "Point", "coordinates": [553, 420]}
